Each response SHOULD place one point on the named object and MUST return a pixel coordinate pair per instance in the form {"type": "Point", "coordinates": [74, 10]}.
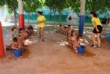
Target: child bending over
{"type": "Point", "coordinates": [72, 38]}
{"type": "Point", "coordinates": [69, 31]}
{"type": "Point", "coordinates": [77, 43]}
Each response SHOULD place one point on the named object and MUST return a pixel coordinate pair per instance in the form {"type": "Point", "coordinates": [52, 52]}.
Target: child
{"type": "Point", "coordinates": [69, 31]}
{"type": "Point", "coordinates": [26, 30]}
{"type": "Point", "coordinates": [16, 45]}
{"type": "Point", "coordinates": [77, 43]}
{"type": "Point", "coordinates": [59, 29]}
{"type": "Point", "coordinates": [72, 38]}
{"type": "Point", "coordinates": [20, 39]}
{"type": "Point", "coordinates": [64, 30]}
{"type": "Point", "coordinates": [31, 30]}
{"type": "Point", "coordinates": [69, 26]}
{"type": "Point", "coordinates": [23, 33]}
{"type": "Point", "coordinates": [20, 30]}
{"type": "Point", "coordinates": [14, 32]}
{"type": "Point", "coordinates": [23, 39]}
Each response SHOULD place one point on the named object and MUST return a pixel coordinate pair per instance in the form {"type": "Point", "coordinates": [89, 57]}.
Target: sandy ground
{"type": "Point", "coordinates": [54, 57]}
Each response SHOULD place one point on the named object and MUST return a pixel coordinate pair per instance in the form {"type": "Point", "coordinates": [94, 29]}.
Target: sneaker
{"type": "Point", "coordinates": [98, 47]}
{"type": "Point", "coordinates": [93, 46]}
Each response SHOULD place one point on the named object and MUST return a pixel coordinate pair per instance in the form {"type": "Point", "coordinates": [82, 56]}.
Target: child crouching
{"type": "Point", "coordinates": [59, 29]}
{"type": "Point", "coordinates": [77, 43]}
{"type": "Point", "coordinates": [16, 45]}
{"type": "Point", "coordinates": [72, 38]}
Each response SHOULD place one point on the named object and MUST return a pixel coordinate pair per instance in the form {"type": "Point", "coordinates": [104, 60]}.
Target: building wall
{"type": "Point", "coordinates": [3, 13]}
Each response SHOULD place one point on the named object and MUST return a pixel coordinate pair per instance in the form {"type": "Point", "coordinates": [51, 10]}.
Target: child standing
{"type": "Point", "coordinates": [41, 24]}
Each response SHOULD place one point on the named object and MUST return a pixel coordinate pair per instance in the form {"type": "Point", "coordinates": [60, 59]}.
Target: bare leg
{"type": "Point", "coordinates": [75, 48]}
{"type": "Point", "coordinates": [98, 38]}
{"type": "Point", "coordinates": [93, 38]}
{"type": "Point", "coordinates": [39, 31]}
{"type": "Point", "coordinates": [42, 33]}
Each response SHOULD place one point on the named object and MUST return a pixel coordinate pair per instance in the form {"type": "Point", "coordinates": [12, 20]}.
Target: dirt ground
{"type": "Point", "coordinates": [54, 57]}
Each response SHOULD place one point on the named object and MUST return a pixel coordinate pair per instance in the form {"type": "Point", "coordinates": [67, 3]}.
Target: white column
{"type": "Point", "coordinates": [82, 7]}
{"type": "Point", "coordinates": [21, 14]}
{"type": "Point", "coordinates": [20, 6]}
{"type": "Point", "coordinates": [5, 14]}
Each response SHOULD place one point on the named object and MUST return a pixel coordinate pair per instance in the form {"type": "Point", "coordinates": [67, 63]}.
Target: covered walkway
{"type": "Point", "coordinates": [54, 57]}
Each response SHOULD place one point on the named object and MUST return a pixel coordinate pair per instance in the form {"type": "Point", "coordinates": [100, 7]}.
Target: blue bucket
{"type": "Point", "coordinates": [108, 37]}
{"type": "Point", "coordinates": [17, 53]}
{"type": "Point", "coordinates": [81, 50]}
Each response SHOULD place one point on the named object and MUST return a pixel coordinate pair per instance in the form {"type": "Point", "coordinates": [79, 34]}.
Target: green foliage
{"type": "Point", "coordinates": [2, 3]}
{"type": "Point", "coordinates": [91, 5]}
{"type": "Point", "coordinates": [51, 4]}
{"type": "Point", "coordinates": [96, 5]}
{"type": "Point", "coordinates": [11, 4]}
{"type": "Point", "coordinates": [42, 3]}
{"type": "Point", "coordinates": [32, 5]}
{"type": "Point", "coordinates": [9, 10]}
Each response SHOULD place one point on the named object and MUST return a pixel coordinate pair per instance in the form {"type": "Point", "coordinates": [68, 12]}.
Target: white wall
{"type": "Point", "coordinates": [3, 13]}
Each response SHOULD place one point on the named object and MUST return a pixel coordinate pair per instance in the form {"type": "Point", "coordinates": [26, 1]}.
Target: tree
{"type": "Point", "coordinates": [31, 6]}
{"type": "Point", "coordinates": [52, 5]}
{"type": "Point", "coordinates": [12, 6]}
{"type": "Point", "coordinates": [60, 5]}
{"type": "Point", "coordinates": [2, 3]}
{"type": "Point", "coordinates": [91, 5]}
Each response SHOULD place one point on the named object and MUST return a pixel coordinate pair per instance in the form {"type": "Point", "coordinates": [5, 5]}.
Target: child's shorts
{"type": "Point", "coordinates": [100, 28]}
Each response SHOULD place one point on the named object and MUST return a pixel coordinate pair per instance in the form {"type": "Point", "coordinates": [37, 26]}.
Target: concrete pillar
{"type": "Point", "coordinates": [81, 20]}
{"type": "Point", "coordinates": [21, 14]}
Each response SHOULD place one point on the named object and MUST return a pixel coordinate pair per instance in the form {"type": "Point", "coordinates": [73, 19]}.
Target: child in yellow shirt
{"type": "Point", "coordinates": [41, 20]}
{"type": "Point", "coordinates": [97, 30]}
